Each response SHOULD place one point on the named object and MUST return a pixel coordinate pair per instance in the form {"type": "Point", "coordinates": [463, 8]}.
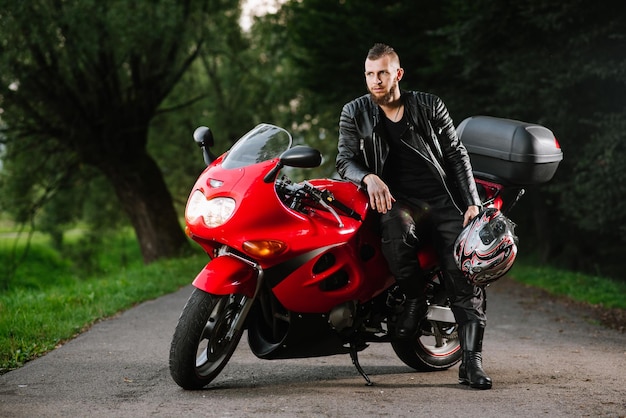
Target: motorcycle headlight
{"type": "Point", "coordinates": [214, 212]}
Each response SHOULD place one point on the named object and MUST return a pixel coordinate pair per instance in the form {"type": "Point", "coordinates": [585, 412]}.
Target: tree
{"type": "Point", "coordinates": [244, 82]}
{"type": "Point", "coordinates": [80, 82]}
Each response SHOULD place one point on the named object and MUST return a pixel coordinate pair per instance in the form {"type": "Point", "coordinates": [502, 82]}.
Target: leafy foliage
{"type": "Point", "coordinates": [601, 158]}
{"type": "Point", "coordinates": [81, 87]}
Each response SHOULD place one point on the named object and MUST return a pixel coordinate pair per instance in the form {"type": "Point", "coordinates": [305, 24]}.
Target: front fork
{"type": "Point", "coordinates": [245, 304]}
{"type": "Point", "coordinates": [230, 274]}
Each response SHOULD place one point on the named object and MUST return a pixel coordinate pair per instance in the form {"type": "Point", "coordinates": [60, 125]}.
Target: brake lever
{"type": "Point", "coordinates": [329, 198]}
{"type": "Point", "coordinates": [319, 198]}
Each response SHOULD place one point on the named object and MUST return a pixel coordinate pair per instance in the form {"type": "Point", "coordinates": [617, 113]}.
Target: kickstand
{"type": "Point", "coordinates": [355, 360]}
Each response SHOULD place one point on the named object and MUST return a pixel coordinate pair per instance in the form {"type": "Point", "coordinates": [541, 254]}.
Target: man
{"type": "Point", "coordinates": [402, 147]}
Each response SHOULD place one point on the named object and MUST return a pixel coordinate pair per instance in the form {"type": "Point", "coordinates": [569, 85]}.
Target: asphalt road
{"type": "Point", "coordinates": [546, 358]}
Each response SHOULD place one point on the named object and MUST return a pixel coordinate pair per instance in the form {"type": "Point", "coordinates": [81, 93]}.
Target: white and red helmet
{"type": "Point", "coordinates": [486, 248]}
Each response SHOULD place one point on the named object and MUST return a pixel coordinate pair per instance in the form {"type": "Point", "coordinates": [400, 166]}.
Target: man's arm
{"type": "Point", "coordinates": [455, 154]}
{"type": "Point", "coordinates": [379, 194]}
{"type": "Point", "coordinates": [350, 163]}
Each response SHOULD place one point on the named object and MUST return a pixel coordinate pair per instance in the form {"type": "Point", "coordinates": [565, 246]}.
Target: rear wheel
{"type": "Point", "coordinates": [205, 338]}
{"type": "Point", "coordinates": [437, 348]}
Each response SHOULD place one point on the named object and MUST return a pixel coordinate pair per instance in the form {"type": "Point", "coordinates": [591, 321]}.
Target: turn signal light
{"type": "Point", "coordinates": [264, 248]}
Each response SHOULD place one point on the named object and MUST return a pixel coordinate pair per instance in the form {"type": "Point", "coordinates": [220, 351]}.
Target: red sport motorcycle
{"type": "Point", "coordinates": [299, 265]}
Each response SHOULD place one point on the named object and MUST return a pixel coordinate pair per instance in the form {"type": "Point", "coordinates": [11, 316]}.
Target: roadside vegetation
{"type": "Point", "coordinates": [586, 288]}
{"type": "Point", "coordinates": [49, 299]}
{"type": "Point", "coordinates": [54, 295]}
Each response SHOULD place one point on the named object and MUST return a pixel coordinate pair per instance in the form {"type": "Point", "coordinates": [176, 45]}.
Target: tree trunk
{"type": "Point", "coordinates": [142, 192]}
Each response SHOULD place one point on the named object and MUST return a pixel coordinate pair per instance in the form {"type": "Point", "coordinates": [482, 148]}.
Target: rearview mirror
{"type": "Point", "coordinates": [301, 156]}
{"type": "Point", "coordinates": [203, 136]}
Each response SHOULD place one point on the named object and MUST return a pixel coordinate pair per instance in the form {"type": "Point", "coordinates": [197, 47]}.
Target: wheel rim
{"type": "Point", "coordinates": [440, 339]}
{"type": "Point", "coordinates": [217, 340]}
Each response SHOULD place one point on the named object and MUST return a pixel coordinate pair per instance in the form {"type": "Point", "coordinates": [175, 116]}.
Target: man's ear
{"type": "Point", "coordinates": [400, 73]}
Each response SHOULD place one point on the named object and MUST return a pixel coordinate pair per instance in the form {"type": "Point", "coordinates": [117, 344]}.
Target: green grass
{"type": "Point", "coordinates": [576, 286]}
{"type": "Point", "coordinates": [50, 300]}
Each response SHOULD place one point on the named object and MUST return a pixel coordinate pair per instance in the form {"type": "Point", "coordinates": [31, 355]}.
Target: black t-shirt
{"type": "Point", "coordinates": [405, 172]}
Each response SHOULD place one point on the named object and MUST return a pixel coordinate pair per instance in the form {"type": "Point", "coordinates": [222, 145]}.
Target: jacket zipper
{"type": "Point", "coordinates": [439, 171]}
{"type": "Point", "coordinates": [363, 151]}
{"type": "Point", "coordinates": [375, 146]}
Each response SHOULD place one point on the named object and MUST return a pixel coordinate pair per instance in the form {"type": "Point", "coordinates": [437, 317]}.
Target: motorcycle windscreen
{"type": "Point", "coordinates": [264, 142]}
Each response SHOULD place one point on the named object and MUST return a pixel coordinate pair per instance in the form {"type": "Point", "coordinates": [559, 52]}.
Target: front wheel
{"type": "Point", "coordinates": [437, 348]}
{"type": "Point", "coordinates": [205, 338]}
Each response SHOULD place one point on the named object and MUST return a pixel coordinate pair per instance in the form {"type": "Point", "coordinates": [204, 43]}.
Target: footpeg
{"type": "Point", "coordinates": [440, 314]}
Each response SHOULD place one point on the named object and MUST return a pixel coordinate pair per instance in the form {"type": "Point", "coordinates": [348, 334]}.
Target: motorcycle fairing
{"type": "Point", "coordinates": [318, 284]}
{"type": "Point", "coordinates": [227, 275]}
{"type": "Point", "coordinates": [274, 275]}
{"type": "Point", "coordinates": [307, 335]}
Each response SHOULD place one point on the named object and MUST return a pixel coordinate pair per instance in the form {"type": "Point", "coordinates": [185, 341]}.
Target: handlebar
{"type": "Point", "coordinates": [323, 197]}
{"type": "Point", "coordinates": [327, 196]}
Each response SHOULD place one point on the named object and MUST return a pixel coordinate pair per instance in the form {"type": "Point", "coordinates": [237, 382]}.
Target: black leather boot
{"type": "Point", "coordinates": [414, 311]}
{"type": "Point", "coordinates": [471, 370]}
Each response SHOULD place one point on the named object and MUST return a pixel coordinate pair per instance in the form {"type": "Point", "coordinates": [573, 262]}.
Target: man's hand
{"type": "Point", "coordinates": [470, 213]}
{"type": "Point", "coordinates": [380, 196]}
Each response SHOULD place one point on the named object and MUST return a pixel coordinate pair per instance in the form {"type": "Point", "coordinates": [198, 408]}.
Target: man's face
{"type": "Point", "coordinates": [382, 76]}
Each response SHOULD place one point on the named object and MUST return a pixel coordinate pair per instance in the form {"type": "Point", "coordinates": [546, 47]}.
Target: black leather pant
{"type": "Point", "coordinates": [411, 222]}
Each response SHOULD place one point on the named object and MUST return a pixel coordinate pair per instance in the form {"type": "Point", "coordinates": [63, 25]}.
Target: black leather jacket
{"type": "Point", "coordinates": [363, 148]}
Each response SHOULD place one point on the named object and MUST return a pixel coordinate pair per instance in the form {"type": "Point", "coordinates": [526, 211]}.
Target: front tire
{"type": "Point", "coordinates": [205, 338]}
{"type": "Point", "coordinates": [436, 348]}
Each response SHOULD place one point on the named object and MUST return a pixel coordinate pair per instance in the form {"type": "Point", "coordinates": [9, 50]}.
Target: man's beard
{"type": "Point", "coordinates": [386, 99]}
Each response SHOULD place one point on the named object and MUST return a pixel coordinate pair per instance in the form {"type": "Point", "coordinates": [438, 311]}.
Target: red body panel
{"type": "Point", "coordinates": [225, 275]}
{"type": "Point", "coordinates": [260, 215]}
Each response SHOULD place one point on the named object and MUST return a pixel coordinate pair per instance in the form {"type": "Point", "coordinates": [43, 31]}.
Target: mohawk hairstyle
{"type": "Point", "coordinates": [379, 50]}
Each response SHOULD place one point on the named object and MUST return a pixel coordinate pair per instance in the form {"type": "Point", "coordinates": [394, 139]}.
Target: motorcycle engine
{"type": "Point", "coordinates": [342, 316]}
